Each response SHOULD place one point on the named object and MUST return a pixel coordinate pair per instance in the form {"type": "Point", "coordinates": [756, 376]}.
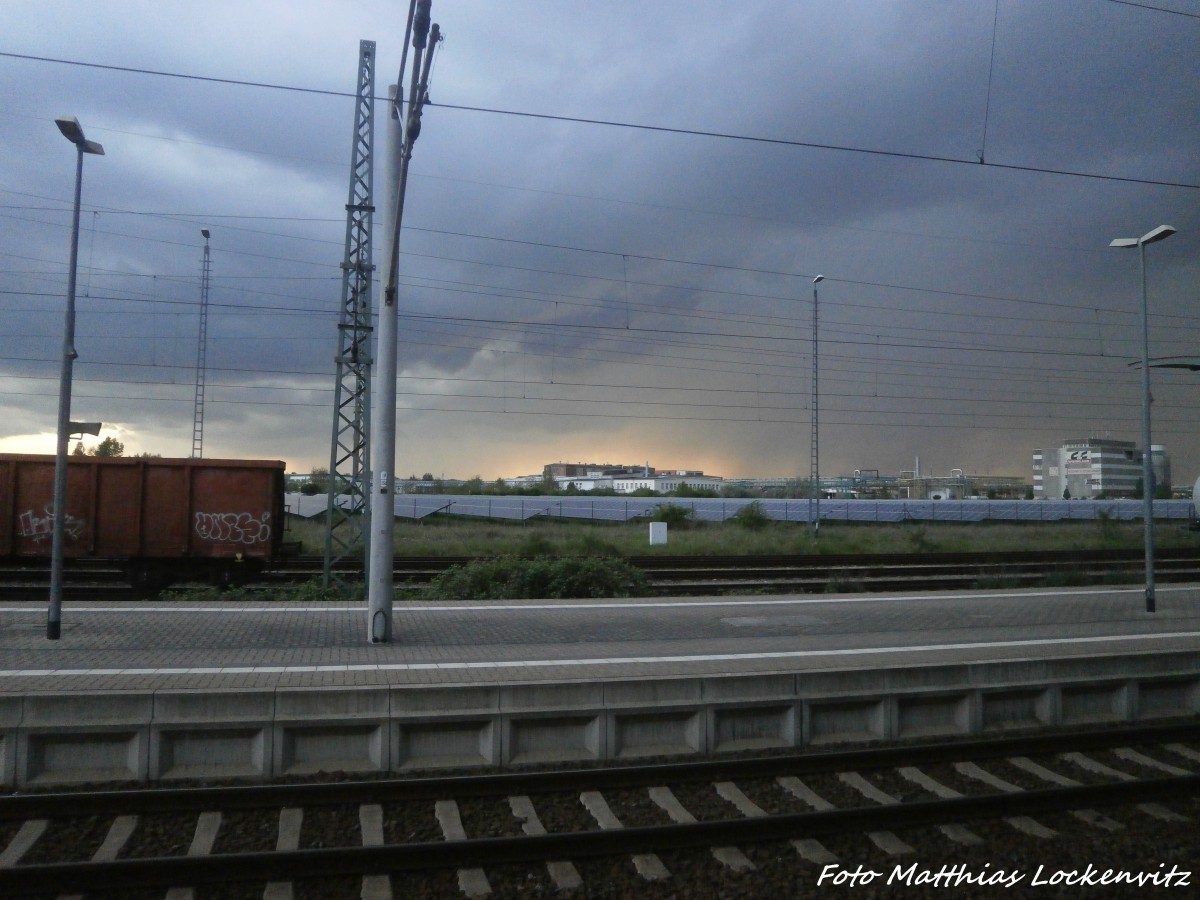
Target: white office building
{"type": "Point", "coordinates": [665, 482]}
{"type": "Point", "coordinates": [1087, 468]}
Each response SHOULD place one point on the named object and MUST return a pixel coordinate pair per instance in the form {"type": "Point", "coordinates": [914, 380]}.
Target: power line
{"type": "Point", "coordinates": [679, 331]}
{"type": "Point", "coordinates": [601, 304]}
{"type": "Point", "coordinates": [612, 123]}
{"type": "Point", "coordinates": [855, 335]}
{"type": "Point", "coordinates": [974, 421]}
{"type": "Point", "coordinates": [813, 145]}
{"type": "Point", "coordinates": [648, 335]}
{"type": "Point", "coordinates": [1158, 9]}
{"type": "Point", "coordinates": [239, 82]}
{"type": "Point", "coordinates": [660, 391]}
{"type": "Point", "coordinates": [192, 218]}
{"type": "Point", "coordinates": [612, 253]}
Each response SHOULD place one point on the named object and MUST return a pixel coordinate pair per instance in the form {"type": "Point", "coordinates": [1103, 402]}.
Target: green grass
{"type": "Point", "coordinates": [448, 536]}
{"type": "Point", "coordinates": [548, 558]}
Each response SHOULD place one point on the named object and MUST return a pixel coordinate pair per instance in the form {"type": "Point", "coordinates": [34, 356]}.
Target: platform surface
{"type": "Point", "coordinates": [229, 646]}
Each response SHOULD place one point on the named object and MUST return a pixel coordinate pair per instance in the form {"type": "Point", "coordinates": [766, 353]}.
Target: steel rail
{"type": "Point", "coordinates": [662, 564]}
{"type": "Point", "coordinates": [324, 862]}
{"type": "Point", "coordinates": [696, 576]}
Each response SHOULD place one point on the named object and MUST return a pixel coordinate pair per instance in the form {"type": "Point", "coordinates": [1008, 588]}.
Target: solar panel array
{"type": "Point", "coordinates": [621, 509]}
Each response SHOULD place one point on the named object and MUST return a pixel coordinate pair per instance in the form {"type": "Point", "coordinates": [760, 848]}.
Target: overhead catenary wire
{"type": "Point", "coordinates": [948, 391]}
{"type": "Point", "coordinates": [655, 334]}
{"type": "Point", "coordinates": [963, 419]}
{"type": "Point", "coordinates": [987, 106]}
{"type": "Point", "coordinates": [558, 297]}
{"type": "Point", "coordinates": [945, 391]}
{"type": "Point", "coordinates": [692, 311]}
{"type": "Point", "coordinates": [612, 123]}
{"type": "Point", "coordinates": [1158, 9]}
{"type": "Point", "coordinates": [758, 271]}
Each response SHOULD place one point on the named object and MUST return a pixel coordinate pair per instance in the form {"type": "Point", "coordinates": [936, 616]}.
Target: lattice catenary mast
{"type": "Point", "coordinates": [201, 352]}
{"type": "Point", "coordinates": [346, 521]}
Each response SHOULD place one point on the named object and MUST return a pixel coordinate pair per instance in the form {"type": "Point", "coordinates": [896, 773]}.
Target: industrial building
{"type": "Point", "coordinates": [863, 484]}
{"type": "Point", "coordinates": [592, 470]}
{"type": "Point", "coordinates": [621, 478]}
{"type": "Point", "coordinates": [1086, 468]}
{"type": "Point", "coordinates": [958, 485]}
{"type": "Point", "coordinates": [665, 482]}
{"type": "Point", "coordinates": [868, 484]}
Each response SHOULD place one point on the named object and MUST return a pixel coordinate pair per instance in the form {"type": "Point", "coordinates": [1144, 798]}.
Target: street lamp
{"type": "Point", "coordinates": [1158, 234]}
{"type": "Point", "coordinates": [814, 467]}
{"type": "Point", "coordinates": [72, 131]}
{"type": "Point", "coordinates": [1191, 363]}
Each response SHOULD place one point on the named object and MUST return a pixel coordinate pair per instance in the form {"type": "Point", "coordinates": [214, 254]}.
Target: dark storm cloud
{"type": "Point", "coordinates": [631, 291]}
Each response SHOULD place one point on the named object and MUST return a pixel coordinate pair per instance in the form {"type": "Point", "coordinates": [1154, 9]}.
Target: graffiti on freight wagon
{"type": "Point", "coordinates": [233, 528]}
{"type": "Point", "coordinates": [41, 528]}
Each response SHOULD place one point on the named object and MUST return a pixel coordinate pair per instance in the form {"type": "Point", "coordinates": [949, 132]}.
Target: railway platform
{"type": "Point", "coordinates": [157, 691]}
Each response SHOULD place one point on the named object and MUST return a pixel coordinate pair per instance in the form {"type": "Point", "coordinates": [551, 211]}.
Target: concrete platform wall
{"type": "Point", "coordinates": [174, 735]}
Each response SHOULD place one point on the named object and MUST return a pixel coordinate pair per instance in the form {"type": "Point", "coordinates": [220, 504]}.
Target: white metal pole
{"type": "Point", "coordinates": [1147, 463]}
{"type": "Point", "coordinates": [1151, 237]}
{"type": "Point", "coordinates": [58, 526]}
{"type": "Point", "coordinates": [815, 473]}
{"type": "Point", "coordinates": [383, 417]}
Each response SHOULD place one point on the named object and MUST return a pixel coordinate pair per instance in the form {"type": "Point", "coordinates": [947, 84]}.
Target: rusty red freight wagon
{"type": "Point", "coordinates": [161, 520]}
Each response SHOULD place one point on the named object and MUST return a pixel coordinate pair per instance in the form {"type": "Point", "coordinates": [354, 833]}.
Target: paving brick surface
{"type": "Point", "coordinates": [154, 645]}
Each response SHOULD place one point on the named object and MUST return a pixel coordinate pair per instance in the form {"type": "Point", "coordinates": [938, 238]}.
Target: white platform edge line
{"type": "Point", "coordinates": [573, 663]}
{"type": "Point", "coordinates": [450, 606]}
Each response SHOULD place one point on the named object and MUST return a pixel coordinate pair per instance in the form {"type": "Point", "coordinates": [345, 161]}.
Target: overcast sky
{"type": "Point", "coordinates": [635, 287]}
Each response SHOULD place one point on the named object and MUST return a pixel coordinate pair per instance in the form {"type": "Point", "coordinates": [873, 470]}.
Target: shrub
{"type": "Point", "coordinates": [674, 516]}
{"type": "Point", "coordinates": [509, 578]}
{"type": "Point", "coordinates": [752, 517]}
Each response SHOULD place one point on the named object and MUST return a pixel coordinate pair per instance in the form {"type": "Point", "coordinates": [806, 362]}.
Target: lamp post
{"type": "Point", "coordinates": [814, 474]}
{"type": "Point", "coordinates": [1158, 234]}
{"type": "Point", "coordinates": [72, 131]}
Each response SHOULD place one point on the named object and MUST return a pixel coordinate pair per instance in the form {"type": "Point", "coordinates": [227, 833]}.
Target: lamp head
{"type": "Point", "coordinates": [818, 279]}
{"type": "Point", "coordinates": [1162, 231]}
{"type": "Point", "coordinates": [70, 128]}
{"type": "Point", "coordinates": [73, 132]}
{"type": "Point", "coordinates": [1158, 234]}
{"type": "Point", "coordinates": [204, 231]}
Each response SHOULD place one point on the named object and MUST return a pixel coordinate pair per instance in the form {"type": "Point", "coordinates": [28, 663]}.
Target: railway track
{"type": "Point", "coordinates": [890, 572]}
{"type": "Point", "coordinates": [689, 575]}
{"type": "Point", "coordinates": [1033, 807]}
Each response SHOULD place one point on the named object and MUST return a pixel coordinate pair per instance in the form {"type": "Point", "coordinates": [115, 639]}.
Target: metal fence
{"type": "Point", "coordinates": [620, 509]}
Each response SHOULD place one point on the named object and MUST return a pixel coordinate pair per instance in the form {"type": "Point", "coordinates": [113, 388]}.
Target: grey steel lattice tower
{"type": "Point", "coordinates": [201, 352]}
{"type": "Point", "coordinates": [346, 521]}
